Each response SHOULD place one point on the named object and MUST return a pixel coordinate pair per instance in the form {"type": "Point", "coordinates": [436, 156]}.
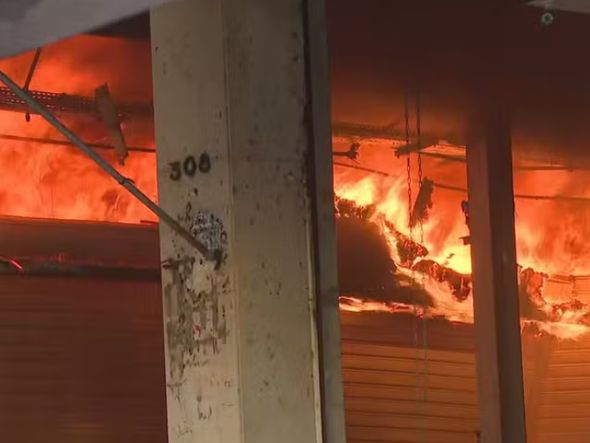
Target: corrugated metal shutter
{"type": "Point", "coordinates": [81, 360]}
{"type": "Point", "coordinates": [384, 395]}
{"type": "Point", "coordinates": [563, 403]}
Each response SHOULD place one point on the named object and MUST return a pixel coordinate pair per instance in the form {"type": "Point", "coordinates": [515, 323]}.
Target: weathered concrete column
{"type": "Point", "coordinates": [230, 97]}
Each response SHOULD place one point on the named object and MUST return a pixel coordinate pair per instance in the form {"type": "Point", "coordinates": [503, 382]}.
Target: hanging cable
{"type": "Point", "coordinates": [416, 313]}
{"type": "Point", "coordinates": [408, 160]}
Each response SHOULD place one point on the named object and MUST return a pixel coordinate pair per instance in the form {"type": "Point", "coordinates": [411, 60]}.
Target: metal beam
{"type": "Point", "coordinates": [495, 288]}
{"type": "Point", "coordinates": [67, 103]}
{"type": "Point", "coordinates": [324, 227]}
{"type": "Point", "coordinates": [492, 237]}
{"type": "Point", "coordinates": [241, 342]}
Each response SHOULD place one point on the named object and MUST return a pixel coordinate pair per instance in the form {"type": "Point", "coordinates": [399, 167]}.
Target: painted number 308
{"type": "Point", "coordinates": [189, 166]}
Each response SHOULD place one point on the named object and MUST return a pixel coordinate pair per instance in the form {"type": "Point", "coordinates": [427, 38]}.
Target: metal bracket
{"type": "Point", "coordinates": [34, 64]}
{"type": "Point", "coordinates": [352, 153]}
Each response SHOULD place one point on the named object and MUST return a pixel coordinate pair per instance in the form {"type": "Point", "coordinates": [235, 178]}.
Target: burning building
{"type": "Point", "coordinates": [82, 276]}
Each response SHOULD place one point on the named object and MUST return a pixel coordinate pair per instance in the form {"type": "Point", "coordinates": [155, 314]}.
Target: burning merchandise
{"type": "Point", "coordinates": [384, 270]}
{"type": "Point", "coordinates": [423, 203]}
{"type": "Point", "coordinates": [433, 256]}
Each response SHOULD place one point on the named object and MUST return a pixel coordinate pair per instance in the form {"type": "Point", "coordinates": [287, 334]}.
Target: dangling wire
{"type": "Point", "coordinates": [408, 161]}
{"type": "Point", "coordinates": [421, 378]}
{"type": "Point", "coordinates": [418, 386]}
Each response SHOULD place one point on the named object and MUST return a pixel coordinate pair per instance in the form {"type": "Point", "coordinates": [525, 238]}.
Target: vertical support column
{"type": "Point", "coordinates": [495, 287]}
{"type": "Point", "coordinates": [320, 165]}
{"type": "Point", "coordinates": [230, 99]}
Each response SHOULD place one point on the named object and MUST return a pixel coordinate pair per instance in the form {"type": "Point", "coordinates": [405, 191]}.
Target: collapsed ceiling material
{"type": "Point", "coordinates": [26, 24]}
{"type": "Point", "coordinates": [371, 280]}
{"type": "Point", "coordinates": [110, 116]}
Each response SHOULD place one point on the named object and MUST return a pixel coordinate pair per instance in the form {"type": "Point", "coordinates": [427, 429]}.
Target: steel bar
{"type": "Point", "coordinates": [320, 176]}
{"type": "Point", "coordinates": [53, 141]}
{"type": "Point", "coordinates": [66, 103]}
{"type": "Point", "coordinates": [495, 282]}
{"type": "Point", "coordinates": [449, 158]}
{"type": "Point", "coordinates": [491, 229]}
{"type": "Point", "coordinates": [412, 147]}
{"type": "Point", "coordinates": [365, 131]}
{"type": "Point", "coordinates": [564, 198]}
{"type": "Point", "coordinates": [361, 168]}
{"type": "Point", "coordinates": [102, 163]}
{"type": "Point", "coordinates": [30, 74]}
{"type": "Point", "coordinates": [32, 69]}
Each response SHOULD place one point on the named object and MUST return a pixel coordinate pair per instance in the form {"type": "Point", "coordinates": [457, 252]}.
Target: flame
{"type": "Point", "coordinates": [40, 180]}
{"type": "Point", "coordinates": [49, 181]}
{"type": "Point", "coordinates": [551, 239]}
{"type": "Point", "coordinates": [445, 226]}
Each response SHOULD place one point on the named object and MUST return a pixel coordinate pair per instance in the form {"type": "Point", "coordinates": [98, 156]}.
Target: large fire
{"type": "Point", "coordinates": [551, 237]}
{"type": "Point", "coordinates": [53, 181]}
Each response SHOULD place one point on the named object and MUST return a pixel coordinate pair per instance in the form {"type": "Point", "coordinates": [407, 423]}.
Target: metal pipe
{"type": "Point", "coordinates": [102, 163]}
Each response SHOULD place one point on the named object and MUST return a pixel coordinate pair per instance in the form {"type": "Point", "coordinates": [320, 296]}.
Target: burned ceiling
{"type": "Point", "coordinates": [383, 47]}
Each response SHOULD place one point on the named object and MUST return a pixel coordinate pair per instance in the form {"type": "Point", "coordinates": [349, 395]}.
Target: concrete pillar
{"type": "Point", "coordinates": [230, 99]}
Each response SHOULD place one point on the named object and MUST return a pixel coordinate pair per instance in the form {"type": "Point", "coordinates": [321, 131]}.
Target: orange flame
{"type": "Point", "coordinates": [552, 246]}
{"type": "Point", "coordinates": [59, 182]}
{"type": "Point", "coordinates": [40, 180]}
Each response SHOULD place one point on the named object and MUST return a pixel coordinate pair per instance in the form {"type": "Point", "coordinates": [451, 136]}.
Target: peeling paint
{"type": "Point", "coordinates": [194, 290]}
{"type": "Point", "coordinates": [196, 323]}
